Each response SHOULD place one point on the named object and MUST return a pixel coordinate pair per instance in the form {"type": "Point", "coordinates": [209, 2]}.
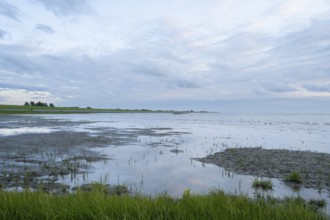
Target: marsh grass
{"type": "Point", "coordinates": [317, 203]}
{"type": "Point", "coordinates": [294, 177]}
{"type": "Point", "coordinates": [97, 205]}
{"type": "Point", "coordinates": [263, 184]}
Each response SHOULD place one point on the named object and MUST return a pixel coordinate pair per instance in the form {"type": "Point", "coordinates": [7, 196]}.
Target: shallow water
{"type": "Point", "coordinates": [160, 161]}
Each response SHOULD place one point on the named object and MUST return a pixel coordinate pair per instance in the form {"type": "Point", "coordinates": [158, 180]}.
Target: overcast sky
{"type": "Point", "coordinates": [219, 55]}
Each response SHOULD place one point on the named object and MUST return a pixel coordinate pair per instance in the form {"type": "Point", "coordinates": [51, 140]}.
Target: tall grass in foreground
{"type": "Point", "coordinates": [97, 205]}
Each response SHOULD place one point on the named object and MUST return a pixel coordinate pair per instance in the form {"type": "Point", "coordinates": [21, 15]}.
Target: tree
{"type": "Point", "coordinates": [39, 103]}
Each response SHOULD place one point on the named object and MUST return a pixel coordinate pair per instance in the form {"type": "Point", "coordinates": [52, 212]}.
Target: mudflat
{"type": "Point", "coordinates": [313, 167]}
{"type": "Point", "coordinates": [41, 160]}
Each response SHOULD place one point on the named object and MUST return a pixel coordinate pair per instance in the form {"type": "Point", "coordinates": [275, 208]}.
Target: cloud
{"type": "Point", "coordinates": [45, 28]}
{"type": "Point", "coordinates": [19, 96]}
{"type": "Point", "coordinates": [143, 57]}
{"type": "Point", "coordinates": [302, 56]}
{"type": "Point", "coordinates": [9, 10]}
{"type": "Point", "coordinates": [18, 59]}
{"type": "Point", "coordinates": [267, 65]}
{"type": "Point", "coordinates": [324, 88]}
{"type": "Point", "coordinates": [3, 34]}
{"type": "Point", "coordinates": [62, 8]}
{"type": "Point", "coordinates": [31, 70]}
{"type": "Point", "coordinates": [288, 16]}
{"type": "Point", "coordinates": [153, 72]}
{"type": "Point", "coordinates": [278, 87]}
{"type": "Point", "coordinates": [79, 77]}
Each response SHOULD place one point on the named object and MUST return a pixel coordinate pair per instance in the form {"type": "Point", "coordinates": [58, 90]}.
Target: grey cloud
{"type": "Point", "coordinates": [304, 54]}
{"type": "Point", "coordinates": [3, 34]}
{"type": "Point", "coordinates": [290, 54]}
{"type": "Point", "coordinates": [160, 74]}
{"type": "Point", "coordinates": [240, 58]}
{"type": "Point", "coordinates": [21, 68]}
{"type": "Point", "coordinates": [13, 58]}
{"type": "Point", "coordinates": [67, 7]}
{"type": "Point", "coordinates": [277, 63]}
{"type": "Point", "coordinates": [263, 65]}
{"type": "Point", "coordinates": [317, 88]}
{"type": "Point", "coordinates": [264, 88]}
{"type": "Point", "coordinates": [45, 28]}
{"type": "Point", "coordinates": [243, 49]}
{"type": "Point", "coordinates": [278, 88]}
{"type": "Point", "coordinates": [128, 75]}
{"type": "Point", "coordinates": [187, 84]}
{"type": "Point", "coordinates": [22, 85]}
{"type": "Point", "coordinates": [238, 65]}
{"type": "Point", "coordinates": [9, 10]}
{"type": "Point", "coordinates": [148, 70]}
{"type": "Point", "coordinates": [315, 35]}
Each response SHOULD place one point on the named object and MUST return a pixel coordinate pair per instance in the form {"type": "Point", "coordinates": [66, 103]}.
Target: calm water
{"type": "Point", "coordinates": [147, 164]}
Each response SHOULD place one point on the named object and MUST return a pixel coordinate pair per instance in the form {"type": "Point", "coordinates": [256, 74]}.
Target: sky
{"type": "Point", "coordinates": [214, 55]}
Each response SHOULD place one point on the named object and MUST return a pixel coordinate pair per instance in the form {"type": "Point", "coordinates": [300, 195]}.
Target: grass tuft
{"type": "Point", "coordinates": [294, 177]}
{"type": "Point", "coordinates": [263, 184]}
{"type": "Point", "coordinates": [317, 203]}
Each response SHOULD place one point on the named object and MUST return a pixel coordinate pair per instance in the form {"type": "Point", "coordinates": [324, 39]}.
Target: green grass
{"type": "Point", "coordinates": [294, 177]}
{"type": "Point", "coordinates": [263, 184]}
{"type": "Point", "coordinates": [97, 205]}
{"type": "Point", "coordinates": [16, 109]}
{"type": "Point", "coordinates": [317, 203]}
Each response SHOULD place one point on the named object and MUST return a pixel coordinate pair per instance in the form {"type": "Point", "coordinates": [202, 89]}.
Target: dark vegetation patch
{"type": "Point", "coordinates": [262, 184]}
{"type": "Point", "coordinates": [106, 189]}
{"type": "Point", "coordinates": [306, 168]}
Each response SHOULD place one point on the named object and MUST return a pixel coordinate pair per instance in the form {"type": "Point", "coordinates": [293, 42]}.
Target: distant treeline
{"type": "Point", "coordinates": [44, 104]}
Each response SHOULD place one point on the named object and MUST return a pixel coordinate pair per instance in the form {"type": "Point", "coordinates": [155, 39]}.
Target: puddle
{"type": "Point", "coordinates": [24, 130]}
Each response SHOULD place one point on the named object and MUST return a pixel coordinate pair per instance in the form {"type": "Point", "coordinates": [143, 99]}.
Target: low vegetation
{"type": "Point", "coordinates": [263, 184]}
{"type": "Point", "coordinates": [96, 204]}
{"type": "Point", "coordinates": [294, 177]}
{"type": "Point", "coordinates": [317, 203]}
{"type": "Point", "coordinates": [44, 108]}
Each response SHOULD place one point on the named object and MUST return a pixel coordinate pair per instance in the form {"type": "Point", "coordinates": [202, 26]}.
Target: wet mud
{"type": "Point", "coordinates": [39, 161]}
{"type": "Point", "coordinates": [313, 167]}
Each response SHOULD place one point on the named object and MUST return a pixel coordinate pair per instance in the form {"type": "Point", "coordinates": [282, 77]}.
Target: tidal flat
{"type": "Point", "coordinates": [276, 163]}
{"type": "Point", "coordinates": [151, 154]}
{"type": "Point", "coordinates": [39, 158]}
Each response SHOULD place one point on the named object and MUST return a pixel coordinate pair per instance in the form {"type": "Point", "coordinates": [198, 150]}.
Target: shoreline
{"type": "Point", "coordinates": [20, 110]}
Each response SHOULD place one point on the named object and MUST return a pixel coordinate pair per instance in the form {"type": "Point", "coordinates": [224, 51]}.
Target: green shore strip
{"type": "Point", "coordinates": [16, 109]}
{"type": "Point", "coordinates": [98, 205]}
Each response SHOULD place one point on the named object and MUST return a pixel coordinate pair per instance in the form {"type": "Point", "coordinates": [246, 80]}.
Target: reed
{"type": "Point", "coordinates": [263, 184]}
{"type": "Point", "coordinates": [294, 177]}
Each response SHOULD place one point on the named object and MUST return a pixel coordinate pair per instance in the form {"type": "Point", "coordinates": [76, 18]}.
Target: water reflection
{"type": "Point", "coordinates": [24, 130]}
